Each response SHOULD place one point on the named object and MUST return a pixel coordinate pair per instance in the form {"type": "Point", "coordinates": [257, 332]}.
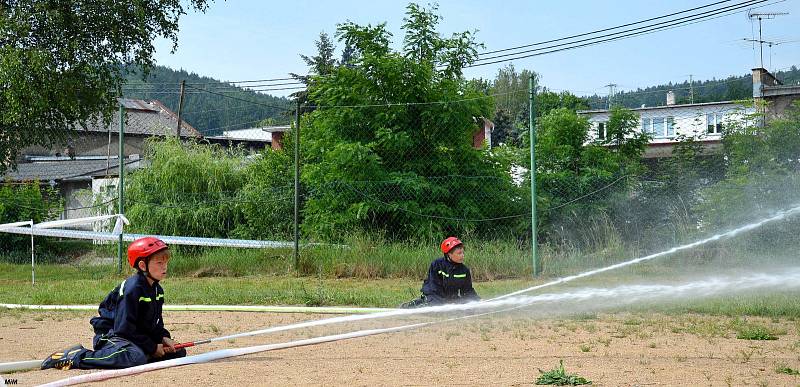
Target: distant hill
{"type": "Point", "coordinates": [209, 113]}
{"type": "Point", "coordinates": [732, 88]}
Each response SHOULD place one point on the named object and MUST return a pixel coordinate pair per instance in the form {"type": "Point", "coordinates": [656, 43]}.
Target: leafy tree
{"type": "Point", "coordinates": [762, 174]}
{"type": "Point", "coordinates": [62, 62]}
{"type": "Point", "coordinates": [511, 92]}
{"type": "Point", "coordinates": [29, 201]}
{"type": "Point", "coordinates": [547, 100]}
{"type": "Point", "coordinates": [320, 64]}
{"type": "Point", "coordinates": [406, 169]}
{"type": "Point", "coordinates": [622, 136]}
{"type": "Point", "coordinates": [504, 131]}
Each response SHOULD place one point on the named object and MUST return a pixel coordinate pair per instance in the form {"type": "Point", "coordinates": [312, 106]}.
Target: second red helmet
{"type": "Point", "coordinates": [450, 243]}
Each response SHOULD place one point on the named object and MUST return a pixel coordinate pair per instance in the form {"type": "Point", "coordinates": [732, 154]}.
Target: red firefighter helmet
{"type": "Point", "coordinates": [143, 248]}
{"type": "Point", "coordinates": [450, 243]}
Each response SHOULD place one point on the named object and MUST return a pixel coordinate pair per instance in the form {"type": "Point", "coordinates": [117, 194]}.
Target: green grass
{"type": "Point", "coordinates": [755, 332]}
{"type": "Point", "coordinates": [65, 284]}
{"type": "Point", "coordinates": [786, 370]}
{"type": "Point", "coordinates": [559, 377]}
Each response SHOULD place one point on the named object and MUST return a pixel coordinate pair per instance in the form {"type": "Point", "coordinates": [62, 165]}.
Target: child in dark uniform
{"type": "Point", "coordinates": [448, 280]}
{"type": "Point", "coordinates": [130, 329]}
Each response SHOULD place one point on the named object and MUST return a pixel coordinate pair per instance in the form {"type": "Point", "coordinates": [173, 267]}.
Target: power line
{"type": "Point", "coordinates": [619, 35]}
{"type": "Point", "coordinates": [239, 99]}
{"type": "Point", "coordinates": [390, 104]}
{"type": "Point", "coordinates": [604, 29]}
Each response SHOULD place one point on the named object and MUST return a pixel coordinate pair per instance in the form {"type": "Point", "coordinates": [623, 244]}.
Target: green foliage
{"type": "Point", "coordinates": [512, 102]}
{"type": "Point", "coordinates": [511, 90]}
{"type": "Point", "coordinates": [570, 170]}
{"type": "Point", "coordinates": [54, 70]}
{"type": "Point", "coordinates": [560, 377]}
{"type": "Point", "coordinates": [762, 175]}
{"type": "Point", "coordinates": [29, 201]}
{"type": "Point", "coordinates": [755, 332]}
{"type": "Point", "coordinates": [784, 369]}
{"type": "Point", "coordinates": [266, 200]}
{"type": "Point", "coordinates": [547, 101]}
{"type": "Point", "coordinates": [203, 190]}
{"type": "Point", "coordinates": [186, 190]}
{"type": "Point", "coordinates": [400, 169]}
{"type": "Point", "coordinates": [622, 135]}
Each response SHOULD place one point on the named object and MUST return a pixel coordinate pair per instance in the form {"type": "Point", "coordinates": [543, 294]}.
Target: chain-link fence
{"type": "Point", "coordinates": [389, 180]}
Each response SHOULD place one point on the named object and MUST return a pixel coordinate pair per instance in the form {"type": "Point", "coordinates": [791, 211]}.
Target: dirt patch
{"type": "Point", "coordinates": [610, 350]}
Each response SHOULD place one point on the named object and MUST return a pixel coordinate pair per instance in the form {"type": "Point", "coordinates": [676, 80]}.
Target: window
{"type": "Point", "coordinates": [658, 127]}
{"type": "Point", "coordinates": [714, 123]}
{"type": "Point", "coordinates": [601, 130]}
{"type": "Point", "coordinates": [670, 127]}
{"type": "Point", "coordinates": [646, 126]}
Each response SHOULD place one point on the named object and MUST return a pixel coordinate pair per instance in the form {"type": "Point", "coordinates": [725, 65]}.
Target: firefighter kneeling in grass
{"type": "Point", "coordinates": [448, 281]}
{"type": "Point", "coordinates": [130, 330]}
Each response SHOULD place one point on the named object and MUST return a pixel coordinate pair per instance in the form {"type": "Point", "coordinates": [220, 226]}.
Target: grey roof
{"type": "Point", "coordinates": [63, 169]}
{"type": "Point", "coordinates": [145, 118]}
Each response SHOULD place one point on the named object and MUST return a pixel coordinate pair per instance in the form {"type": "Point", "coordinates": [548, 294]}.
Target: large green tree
{"type": "Point", "coordinates": [385, 151]}
{"type": "Point", "coordinates": [63, 62]}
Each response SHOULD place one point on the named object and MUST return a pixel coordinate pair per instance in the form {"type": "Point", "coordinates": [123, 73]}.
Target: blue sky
{"type": "Point", "coordinates": [250, 39]}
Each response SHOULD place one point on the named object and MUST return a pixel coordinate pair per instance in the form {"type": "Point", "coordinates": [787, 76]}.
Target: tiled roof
{"type": "Point", "coordinates": [145, 118]}
{"type": "Point", "coordinates": [63, 169]}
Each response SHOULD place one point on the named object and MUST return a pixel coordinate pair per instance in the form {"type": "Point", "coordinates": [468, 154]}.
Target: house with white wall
{"type": "Point", "coordinates": [668, 124]}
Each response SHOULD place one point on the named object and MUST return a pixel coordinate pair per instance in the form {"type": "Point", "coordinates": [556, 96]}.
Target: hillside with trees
{"type": "Point", "coordinates": [209, 113]}
{"type": "Point", "coordinates": [729, 89]}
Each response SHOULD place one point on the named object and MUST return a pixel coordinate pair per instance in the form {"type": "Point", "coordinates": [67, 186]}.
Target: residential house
{"type": "Point", "coordinates": [254, 139]}
{"type": "Point", "coordinates": [668, 124]}
{"type": "Point", "coordinates": [89, 160]}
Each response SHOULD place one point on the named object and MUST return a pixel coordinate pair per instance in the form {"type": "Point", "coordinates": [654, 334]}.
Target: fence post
{"type": "Point", "coordinates": [532, 134]}
{"type": "Point", "coordinates": [297, 186]}
{"type": "Point", "coordinates": [33, 258]}
{"type": "Point", "coordinates": [121, 180]}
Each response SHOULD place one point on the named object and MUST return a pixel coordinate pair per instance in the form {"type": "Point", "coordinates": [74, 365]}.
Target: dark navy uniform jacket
{"type": "Point", "coordinates": [448, 282]}
{"type": "Point", "coordinates": [133, 311]}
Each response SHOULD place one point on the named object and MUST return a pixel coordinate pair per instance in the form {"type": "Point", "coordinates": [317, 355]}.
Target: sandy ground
{"type": "Point", "coordinates": [610, 350]}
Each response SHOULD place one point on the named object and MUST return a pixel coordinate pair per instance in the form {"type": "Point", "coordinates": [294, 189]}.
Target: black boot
{"type": "Point", "coordinates": [65, 359]}
{"type": "Point", "coordinates": [415, 303]}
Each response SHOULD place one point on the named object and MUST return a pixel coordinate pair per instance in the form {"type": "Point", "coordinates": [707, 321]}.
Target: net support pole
{"type": "Point", "coordinates": [33, 260]}
{"type": "Point", "coordinates": [532, 134]}
{"type": "Point", "coordinates": [121, 181]}
{"type": "Point", "coordinates": [297, 187]}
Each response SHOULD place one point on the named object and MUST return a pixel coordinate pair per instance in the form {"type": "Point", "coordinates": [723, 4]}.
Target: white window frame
{"type": "Point", "coordinates": [715, 127]}
{"type": "Point", "coordinates": [647, 126]}
{"type": "Point", "coordinates": [659, 133]}
{"type": "Point", "coordinates": [669, 127]}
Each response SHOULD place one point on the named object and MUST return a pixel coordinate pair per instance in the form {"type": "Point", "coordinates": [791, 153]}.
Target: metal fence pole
{"type": "Point", "coordinates": [297, 187]}
{"type": "Point", "coordinates": [121, 181]}
{"type": "Point", "coordinates": [33, 258]}
{"type": "Point", "coordinates": [532, 134]}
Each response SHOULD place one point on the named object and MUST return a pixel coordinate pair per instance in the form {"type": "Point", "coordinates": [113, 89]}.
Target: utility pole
{"type": "Point", "coordinates": [691, 88]}
{"type": "Point", "coordinates": [762, 16]}
{"type": "Point", "coordinates": [180, 110]}
{"type": "Point", "coordinates": [610, 87]}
